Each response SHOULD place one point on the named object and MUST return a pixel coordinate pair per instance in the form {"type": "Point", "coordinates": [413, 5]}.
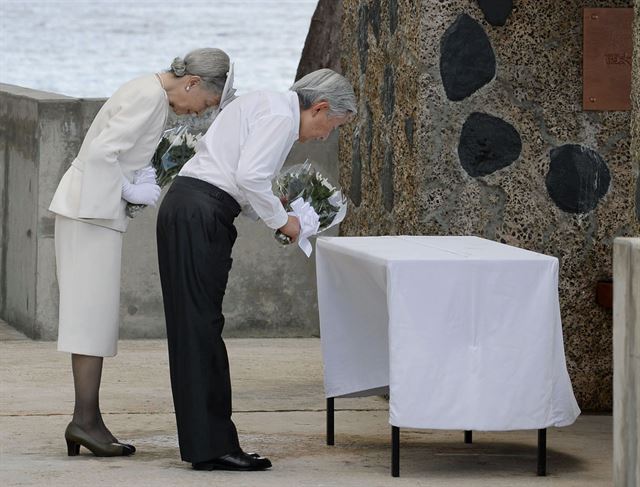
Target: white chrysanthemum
{"type": "Point", "coordinates": [327, 184]}
{"type": "Point", "coordinates": [190, 140]}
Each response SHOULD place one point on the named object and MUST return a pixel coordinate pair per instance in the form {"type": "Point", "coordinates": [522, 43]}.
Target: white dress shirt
{"type": "Point", "coordinates": [122, 139]}
{"type": "Point", "coordinates": [245, 148]}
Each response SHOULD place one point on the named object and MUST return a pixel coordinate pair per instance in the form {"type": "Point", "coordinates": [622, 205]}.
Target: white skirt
{"type": "Point", "coordinates": [88, 259]}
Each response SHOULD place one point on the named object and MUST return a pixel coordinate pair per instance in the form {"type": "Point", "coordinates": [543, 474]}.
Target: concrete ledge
{"type": "Point", "coordinates": [40, 133]}
{"type": "Point", "coordinates": [271, 290]}
{"type": "Point", "coordinates": [33, 94]}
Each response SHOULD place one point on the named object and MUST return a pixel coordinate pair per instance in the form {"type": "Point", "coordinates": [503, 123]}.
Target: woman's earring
{"type": "Point", "coordinates": [188, 88]}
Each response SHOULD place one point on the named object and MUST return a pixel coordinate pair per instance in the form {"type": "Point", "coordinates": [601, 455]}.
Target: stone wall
{"type": "Point", "coordinates": [635, 107]}
{"type": "Point", "coordinates": [271, 290]}
{"type": "Point", "coordinates": [471, 123]}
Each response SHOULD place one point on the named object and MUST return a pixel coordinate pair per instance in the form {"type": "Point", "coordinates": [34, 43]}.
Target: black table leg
{"type": "Point", "coordinates": [468, 436]}
{"type": "Point", "coordinates": [330, 424]}
{"type": "Point", "coordinates": [395, 451]}
{"type": "Point", "coordinates": [542, 452]}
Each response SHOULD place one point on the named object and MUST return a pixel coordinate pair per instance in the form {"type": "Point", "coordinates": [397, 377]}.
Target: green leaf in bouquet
{"type": "Point", "coordinates": [180, 153]}
{"type": "Point", "coordinates": [161, 150]}
{"type": "Point", "coordinates": [168, 176]}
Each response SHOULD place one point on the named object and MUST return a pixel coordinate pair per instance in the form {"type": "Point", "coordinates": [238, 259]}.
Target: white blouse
{"type": "Point", "coordinates": [122, 139]}
{"type": "Point", "coordinates": [245, 148]}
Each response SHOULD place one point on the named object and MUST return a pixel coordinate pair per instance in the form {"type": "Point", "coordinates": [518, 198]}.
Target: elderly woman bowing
{"type": "Point", "coordinates": [112, 169]}
{"type": "Point", "coordinates": [237, 159]}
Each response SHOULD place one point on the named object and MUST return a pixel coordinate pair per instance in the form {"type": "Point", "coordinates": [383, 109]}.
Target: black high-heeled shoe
{"type": "Point", "coordinates": [127, 445]}
{"type": "Point", "coordinates": [76, 436]}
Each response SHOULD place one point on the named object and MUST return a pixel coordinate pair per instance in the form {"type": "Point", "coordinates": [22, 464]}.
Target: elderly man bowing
{"type": "Point", "coordinates": [232, 171]}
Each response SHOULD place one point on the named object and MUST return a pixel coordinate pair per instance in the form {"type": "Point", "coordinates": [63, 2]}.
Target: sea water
{"type": "Point", "coordinates": [88, 48]}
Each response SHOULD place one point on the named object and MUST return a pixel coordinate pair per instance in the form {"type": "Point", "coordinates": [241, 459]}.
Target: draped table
{"type": "Point", "coordinates": [464, 333]}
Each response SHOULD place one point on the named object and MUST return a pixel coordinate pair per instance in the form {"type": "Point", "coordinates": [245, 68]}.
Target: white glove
{"type": "Point", "coordinates": [141, 193]}
{"type": "Point", "coordinates": [145, 175]}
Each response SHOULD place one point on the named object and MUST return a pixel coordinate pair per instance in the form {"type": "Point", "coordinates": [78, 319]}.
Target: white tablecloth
{"type": "Point", "coordinates": [465, 332]}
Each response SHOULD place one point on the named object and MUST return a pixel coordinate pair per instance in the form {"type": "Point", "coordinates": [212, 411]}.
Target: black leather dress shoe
{"type": "Point", "coordinates": [239, 461]}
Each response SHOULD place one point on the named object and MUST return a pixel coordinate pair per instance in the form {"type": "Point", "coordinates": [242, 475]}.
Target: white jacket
{"type": "Point", "coordinates": [122, 139]}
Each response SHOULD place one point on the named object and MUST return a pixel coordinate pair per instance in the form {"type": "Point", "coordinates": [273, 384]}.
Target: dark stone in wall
{"type": "Point", "coordinates": [496, 11]}
{"type": "Point", "coordinates": [578, 178]}
{"type": "Point", "coordinates": [387, 178]}
{"type": "Point", "coordinates": [393, 16]}
{"type": "Point", "coordinates": [487, 143]}
{"type": "Point", "coordinates": [408, 130]}
{"type": "Point", "coordinates": [363, 34]}
{"type": "Point", "coordinates": [356, 170]}
{"type": "Point", "coordinates": [388, 92]}
{"type": "Point", "coordinates": [467, 61]}
{"type": "Point", "coordinates": [374, 18]}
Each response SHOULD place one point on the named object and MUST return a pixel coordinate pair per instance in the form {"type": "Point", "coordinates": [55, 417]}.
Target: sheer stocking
{"type": "Point", "coordinates": [87, 373]}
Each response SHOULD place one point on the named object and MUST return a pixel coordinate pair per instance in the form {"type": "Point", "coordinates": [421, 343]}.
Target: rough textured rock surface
{"type": "Point", "coordinates": [322, 45]}
{"type": "Point", "coordinates": [409, 173]}
{"type": "Point", "coordinates": [635, 107]}
{"type": "Point", "coordinates": [380, 57]}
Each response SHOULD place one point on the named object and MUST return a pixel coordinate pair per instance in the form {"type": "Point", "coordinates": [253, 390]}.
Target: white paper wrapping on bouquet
{"type": "Point", "coordinates": [309, 223]}
{"type": "Point", "coordinates": [337, 200]}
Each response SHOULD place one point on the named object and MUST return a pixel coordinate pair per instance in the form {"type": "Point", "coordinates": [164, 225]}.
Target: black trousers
{"type": "Point", "coordinates": [195, 235]}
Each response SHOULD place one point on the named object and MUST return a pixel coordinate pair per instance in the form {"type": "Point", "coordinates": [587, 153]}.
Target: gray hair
{"type": "Point", "coordinates": [326, 85]}
{"type": "Point", "coordinates": [210, 64]}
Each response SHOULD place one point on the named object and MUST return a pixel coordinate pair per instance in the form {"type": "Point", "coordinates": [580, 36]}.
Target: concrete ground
{"type": "Point", "coordinates": [279, 411]}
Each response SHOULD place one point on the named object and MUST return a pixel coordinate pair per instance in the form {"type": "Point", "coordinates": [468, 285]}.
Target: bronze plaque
{"type": "Point", "coordinates": [606, 58]}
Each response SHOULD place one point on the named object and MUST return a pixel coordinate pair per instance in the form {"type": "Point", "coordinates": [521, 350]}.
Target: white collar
{"type": "Point", "coordinates": [295, 110]}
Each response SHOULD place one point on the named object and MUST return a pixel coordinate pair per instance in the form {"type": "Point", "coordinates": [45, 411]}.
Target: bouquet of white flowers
{"type": "Point", "coordinates": [308, 195]}
{"type": "Point", "coordinates": [176, 147]}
